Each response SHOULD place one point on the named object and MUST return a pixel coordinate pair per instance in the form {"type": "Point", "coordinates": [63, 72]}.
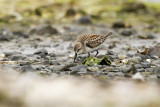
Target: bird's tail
{"type": "Point", "coordinates": [109, 34]}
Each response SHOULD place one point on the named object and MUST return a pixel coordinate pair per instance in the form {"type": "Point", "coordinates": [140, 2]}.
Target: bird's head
{"type": "Point", "coordinates": [78, 49]}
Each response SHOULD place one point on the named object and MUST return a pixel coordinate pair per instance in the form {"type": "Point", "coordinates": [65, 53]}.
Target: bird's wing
{"type": "Point", "coordinates": [82, 38]}
{"type": "Point", "coordinates": [94, 41]}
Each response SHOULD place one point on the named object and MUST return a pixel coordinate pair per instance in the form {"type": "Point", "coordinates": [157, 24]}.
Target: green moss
{"type": "Point", "coordinates": [97, 61]}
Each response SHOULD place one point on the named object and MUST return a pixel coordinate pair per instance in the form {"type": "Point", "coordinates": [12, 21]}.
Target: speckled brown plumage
{"type": "Point", "coordinates": [89, 42]}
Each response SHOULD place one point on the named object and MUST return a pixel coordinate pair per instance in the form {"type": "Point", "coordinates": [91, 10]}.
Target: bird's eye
{"type": "Point", "coordinates": [78, 49]}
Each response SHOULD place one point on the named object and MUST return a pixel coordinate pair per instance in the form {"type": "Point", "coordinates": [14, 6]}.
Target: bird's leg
{"type": "Point", "coordinates": [96, 53]}
{"type": "Point", "coordinates": [75, 56]}
{"type": "Point", "coordinates": [88, 54]}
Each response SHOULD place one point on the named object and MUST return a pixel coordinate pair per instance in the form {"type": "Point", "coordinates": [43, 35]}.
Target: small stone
{"type": "Point", "coordinates": [26, 68]}
{"type": "Point", "coordinates": [82, 71]}
{"type": "Point", "coordinates": [45, 72]}
{"type": "Point", "coordinates": [125, 61]}
{"type": "Point", "coordinates": [148, 60]}
{"type": "Point", "coordinates": [157, 70]}
{"type": "Point", "coordinates": [67, 67]}
{"type": "Point", "coordinates": [42, 55]}
{"type": "Point", "coordinates": [6, 35]}
{"type": "Point", "coordinates": [85, 20]}
{"type": "Point", "coordinates": [122, 56]}
{"type": "Point", "coordinates": [24, 63]}
{"type": "Point", "coordinates": [109, 52]}
{"type": "Point", "coordinates": [7, 54]}
{"type": "Point", "coordinates": [17, 57]}
{"type": "Point", "coordinates": [48, 62]}
{"type": "Point", "coordinates": [146, 36]}
{"type": "Point", "coordinates": [128, 69]}
{"type": "Point", "coordinates": [93, 69]}
{"type": "Point", "coordinates": [153, 77]}
{"type": "Point", "coordinates": [113, 45]}
{"type": "Point", "coordinates": [146, 64]}
{"type": "Point", "coordinates": [2, 55]}
{"type": "Point", "coordinates": [20, 34]}
{"type": "Point", "coordinates": [77, 68]}
{"type": "Point", "coordinates": [126, 32]}
{"type": "Point", "coordinates": [140, 70]}
{"type": "Point", "coordinates": [109, 69]}
{"type": "Point", "coordinates": [137, 59]}
{"type": "Point", "coordinates": [138, 76]}
{"type": "Point", "coordinates": [112, 69]}
{"type": "Point", "coordinates": [56, 68]}
{"type": "Point", "coordinates": [70, 12]}
{"type": "Point", "coordinates": [149, 70]}
{"type": "Point", "coordinates": [155, 51]}
{"type": "Point", "coordinates": [52, 55]}
{"type": "Point", "coordinates": [119, 74]}
{"type": "Point", "coordinates": [118, 24]}
{"type": "Point", "coordinates": [127, 75]}
{"type": "Point", "coordinates": [158, 76]}
{"type": "Point", "coordinates": [40, 51]}
{"type": "Point", "coordinates": [137, 66]}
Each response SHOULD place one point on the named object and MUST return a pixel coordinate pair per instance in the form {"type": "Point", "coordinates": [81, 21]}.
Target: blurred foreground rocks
{"type": "Point", "coordinates": [44, 30]}
{"type": "Point", "coordinates": [134, 7]}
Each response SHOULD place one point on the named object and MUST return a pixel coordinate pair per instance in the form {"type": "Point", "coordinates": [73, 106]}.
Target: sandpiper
{"type": "Point", "coordinates": [89, 43]}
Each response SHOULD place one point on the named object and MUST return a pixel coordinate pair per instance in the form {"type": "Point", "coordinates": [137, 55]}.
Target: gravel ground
{"type": "Point", "coordinates": [39, 62]}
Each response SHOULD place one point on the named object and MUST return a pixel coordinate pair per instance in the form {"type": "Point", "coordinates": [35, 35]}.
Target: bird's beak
{"type": "Point", "coordinates": [75, 56]}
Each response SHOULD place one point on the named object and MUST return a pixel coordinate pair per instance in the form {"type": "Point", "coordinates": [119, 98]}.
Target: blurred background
{"type": "Point", "coordinates": [28, 12]}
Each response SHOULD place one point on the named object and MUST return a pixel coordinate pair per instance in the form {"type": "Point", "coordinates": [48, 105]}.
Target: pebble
{"type": "Point", "coordinates": [7, 54]}
{"type": "Point", "coordinates": [38, 67]}
{"type": "Point", "coordinates": [119, 74]}
{"type": "Point", "coordinates": [126, 32]}
{"type": "Point", "coordinates": [146, 36]}
{"type": "Point", "coordinates": [146, 64]}
{"type": "Point", "coordinates": [148, 60]}
{"type": "Point", "coordinates": [17, 57]}
{"type": "Point", "coordinates": [52, 55]}
{"type": "Point", "coordinates": [77, 68]}
{"type": "Point", "coordinates": [149, 70]}
{"type": "Point", "coordinates": [40, 51]}
{"type": "Point", "coordinates": [137, 66]}
{"type": "Point", "coordinates": [68, 66]}
{"type": "Point", "coordinates": [122, 56]}
{"type": "Point", "coordinates": [118, 24]}
{"type": "Point", "coordinates": [93, 69]}
{"type": "Point", "coordinates": [140, 70]}
{"type": "Point", "coordinates": [112, 69]}
{"type": "Point", "coordinates": [128, 68]}
{"type": "Point", "coordinates": [125, 61]}
{"type": "Point", "coordinates": [45, 72]}
{"type": "Point", "coordinates": [138, 76]}
{"type": "Point", "coordinates": [20, 34]}
{"type": "Point", "coordinates": [84, 20]}
{"type": "Point", "coordinates": [26, 68]}
{"type": "Point", "coordinates": [70, 12]}
{"type": "Point", "coordinates": [82, 71]}
{"type": "Point", "coordinates": [157, 70]}
{"type": "Point", "coordinates": [6, 35]}
{"type": "Point", "coordinates": [56, 68]}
